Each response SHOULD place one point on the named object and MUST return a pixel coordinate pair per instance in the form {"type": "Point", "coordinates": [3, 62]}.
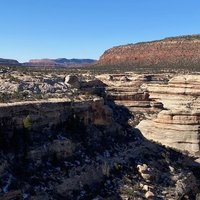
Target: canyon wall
{"type": "Point", "coordinates": [46, 115]}
{"type": "Point", "coordinates": [165, 107]}
{"type": "Point", "coordinates": [178, 125]}
{"type": "Point", "coordinates": [129, 90]}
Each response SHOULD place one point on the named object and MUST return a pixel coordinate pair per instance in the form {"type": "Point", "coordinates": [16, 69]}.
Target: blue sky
{"type": "Point", "coordinates": [86, 28]}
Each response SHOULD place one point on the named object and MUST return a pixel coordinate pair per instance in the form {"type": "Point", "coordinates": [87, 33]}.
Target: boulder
{"type": "Point", "coordinates": [149, 195]}
{"type": "Point", "coordinates": [186, 185]}
{"type": "Point", "coordinates": [72, 81]}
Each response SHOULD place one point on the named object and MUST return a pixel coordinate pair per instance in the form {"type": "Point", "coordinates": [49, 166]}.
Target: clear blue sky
{"type": "Point", "coordinates": [86, 28]}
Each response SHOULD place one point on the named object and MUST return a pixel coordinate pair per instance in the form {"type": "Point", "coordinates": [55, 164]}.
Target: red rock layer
{"type": "Point", "coordinates": [176, 51]}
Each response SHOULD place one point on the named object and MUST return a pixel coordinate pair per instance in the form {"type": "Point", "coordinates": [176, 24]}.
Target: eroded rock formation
{"type": "Point", "coordinates": [178, 125]}
{"type": "Point", "coordinates": [165, 106]}
{"type": "Point", "coordinates": [129, 90]}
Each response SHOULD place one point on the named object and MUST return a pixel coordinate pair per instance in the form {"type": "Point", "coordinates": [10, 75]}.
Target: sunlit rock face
{"type": "Point", "coordinates": [178, 125]}
{"type": "Point", "coordinates": [130, 90]}
{"type": "Point", "coordinates": [166, 107]}
{"type": "Point", "coordinates": [158, 53]}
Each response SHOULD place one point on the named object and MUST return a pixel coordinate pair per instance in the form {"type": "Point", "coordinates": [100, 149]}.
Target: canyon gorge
{"type": "Point", "coordinates": [126, 127]}
{"type": "Point", "coordinates": [68, 133]}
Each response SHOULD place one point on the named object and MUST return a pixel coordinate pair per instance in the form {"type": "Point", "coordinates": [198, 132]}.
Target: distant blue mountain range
{"type": "Point", "coordinates": [59, 62]}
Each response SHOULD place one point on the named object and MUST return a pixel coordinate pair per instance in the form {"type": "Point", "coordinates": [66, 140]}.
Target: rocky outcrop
{"type": "Point", "coordinates": [186, 51]}
{"type": "Point", "coordinates": [166, 107]}
{"type": "Point", "coordinates": [53, 112]}
{"type": "Point", "coordinates": [129, 90]}
{"type": "Point", "coordinates": [15, 86]}
{"type": "Point", "coordinates": [178, 125]}
{"type": "Point", "coordinates": [72, 81]}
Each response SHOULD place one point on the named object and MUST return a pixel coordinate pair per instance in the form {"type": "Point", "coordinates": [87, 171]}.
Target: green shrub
{"type": "Point", "coordinates": [27, 122]}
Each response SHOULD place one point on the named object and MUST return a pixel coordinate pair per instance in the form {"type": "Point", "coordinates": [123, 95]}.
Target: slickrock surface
{"type": "Point", "coordinates": [178, 125]}
{"type": "Point", "coordinates": [129, 90]}
{"type": "Point", "coordinates": [166, 107]}
{"type": "Point", "coordinates": [170, 52]}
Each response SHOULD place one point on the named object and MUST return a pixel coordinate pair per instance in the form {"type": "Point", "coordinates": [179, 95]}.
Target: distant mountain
{"type": "Point", "coordinates": [60, 62]}
{"type": "Point", "coordinates": [182, 52]}
{"type": "Point", "coordinates": [8, 62]}
{"type": "Point", "coordinates": [74, 61]}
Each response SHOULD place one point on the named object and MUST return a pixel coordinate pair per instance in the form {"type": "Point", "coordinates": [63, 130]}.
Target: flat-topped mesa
{"type": "Point", "coordinates": [170, 52]}
{"type": "Point", "coordinates": [179, 125]}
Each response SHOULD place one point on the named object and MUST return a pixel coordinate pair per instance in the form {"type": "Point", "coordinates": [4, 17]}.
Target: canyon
{"type": "Point", "coordinates": [124, 127]}
{"type": "Point", "coordinates": [165, 107]}
{"type": "Point", "coordinates": [92, 136]}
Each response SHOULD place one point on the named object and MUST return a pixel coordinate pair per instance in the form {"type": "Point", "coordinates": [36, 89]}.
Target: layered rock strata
{"type": "Point", "coordinates": [166, 107]}
{"type": "Point", "coordinates": [177, 126]}
{"type": "Point", "coordinates": [53, 112]}
{"type": "Point", "coordinates": [129, 90]}
{"type": "Point", "coordinates": [158, 53]}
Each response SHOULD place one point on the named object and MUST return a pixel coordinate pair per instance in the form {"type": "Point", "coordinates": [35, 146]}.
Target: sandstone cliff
{"type": "Point", "coordinates": [129, 90]}
{"type": "Point", "coordinates": [167, 107]}
{"type": "Point", "coordinates": [177, 52]}
{"type": "Point", "coordinates": [178, 125]}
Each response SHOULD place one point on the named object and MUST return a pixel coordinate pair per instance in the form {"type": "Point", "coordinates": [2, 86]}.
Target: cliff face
{"type": "Point", "coordinates": [167, 107]}
{"type": "Point", "coordinates": [53, 112]}
{"type": "Point", "coordinates": [127, 90]}
{"type": "Point", "coordinates": [170, 52]}
{"type": "Point", "coordinates": [178, 125]}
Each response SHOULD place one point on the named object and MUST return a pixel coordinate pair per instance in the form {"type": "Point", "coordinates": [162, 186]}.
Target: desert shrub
{"type": "Point", "coordinates": [27, 122]}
